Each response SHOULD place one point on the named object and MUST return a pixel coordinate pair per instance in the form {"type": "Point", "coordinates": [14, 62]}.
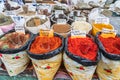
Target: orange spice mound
{"type": "Point", "coordinates": [43, 45]}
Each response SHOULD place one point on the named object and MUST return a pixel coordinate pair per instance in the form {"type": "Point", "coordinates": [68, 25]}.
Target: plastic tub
{"type": "Point", "coordinates": [99, 27]}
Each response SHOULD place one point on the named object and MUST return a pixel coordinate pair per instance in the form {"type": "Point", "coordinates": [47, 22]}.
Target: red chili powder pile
{"type": "Point", "coordinates": [111, 45]}
{"type": "Point", "coordinates": [83, 47]}
{"type": "Point", "coordinates": [43, 45]}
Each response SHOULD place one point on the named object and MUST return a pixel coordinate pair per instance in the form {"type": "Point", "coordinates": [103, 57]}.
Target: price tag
{"type": "Point", "coordinates": [43, 16]}
{"type": "Point", "coordinates": [108, 33]}
{"type": "Point", "coordinates": [104, 20]}
{"type": "Point", "coordinates": [19, 21]}
{"type": "Point", "coordinates": [20, 29]}
{"type": "Point", "coordinates": [78, 13]}
{"type": "Point", "coordinates": [10, 13]}
{"type": "Point", "coordinates": [46, 33]}
{"type": "Point", "coordinates": [1, 32]}
{"type": "Point", "coordinates": [80, 19]}
{"type": "Point", "coordinates": [61, 21]}
{"type": "Point", "coordinates": [71, 14]}
{"type": "Point", "coordinates": [57, 12]}
{"type": "Point", "coordinates": [78, 33]}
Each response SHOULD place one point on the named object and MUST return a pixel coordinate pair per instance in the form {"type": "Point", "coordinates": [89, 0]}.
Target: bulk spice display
{"type": "Point", "coordinates": [108, 67]}
{"type": "Point", "coordinates": [46, 55]}
{"type": "Point", "coordinates": [81, 56]}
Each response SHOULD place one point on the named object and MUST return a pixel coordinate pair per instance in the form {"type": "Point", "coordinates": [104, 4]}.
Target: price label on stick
{"type": "Point", "coordinates": [80, 19]}
{"type": "Point", "coordinates": [104, 20]}
{"type": "Point", "coordinates": [47, 33]}
{"type": "Point", "coordinates": [19, 21]}
{"type": "Point", "coordinates": [78, 33]}
{"type": "Point", "coordinates": [61, 21]}
{"type": "Point", "coordinates": [43, 16]}
{"type": "Point", "coordinates": [108, 33]}
{"type": "Point", "coordinates": [1, 32]}
{"type": "Point", "coordinates": [19, 28]}
{"type": "Point", "coordinates": [57, 12]}
{"type": "Point", "coordinates": [10, 13]}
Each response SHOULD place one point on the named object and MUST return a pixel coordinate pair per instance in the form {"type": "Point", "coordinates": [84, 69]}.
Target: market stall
{"type": "Point", "coordinates": [59, 40]}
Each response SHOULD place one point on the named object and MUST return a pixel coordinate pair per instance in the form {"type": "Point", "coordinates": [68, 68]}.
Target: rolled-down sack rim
{"type": "Point", "coordinates": [48, 54]}
{"type": "Point", "coordinates": [80, 60]}
{"type": "Point", "coordinates": [14, 51]}
{"type": "Point", "coordinates": [106, 54]}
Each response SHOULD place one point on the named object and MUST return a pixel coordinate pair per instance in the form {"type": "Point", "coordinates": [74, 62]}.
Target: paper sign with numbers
{"type": "Point", "coordinates": [1, 32]}
{"type": "Point", "coordinates": [104, 20]}
{"type": "Point", "coordinates": [19, 28]}
{"type": "Point", "coordinates": [105, 30]}
{"type": "Point", "coordinates": [42, 16]}
{"type": "Point", "coordinates": [108, 33]}
{"type": "Point", "coordinates": [19, 21]}
{"type": "Point", "coordinates": [80, 19]}
{"type": "Point", "coordinates": [61, 21]}
{"type": "Point", "coordinates": [78, 13]}
{"type": "Point", "coordinates": [10, 13]}
{"type": "Point", "coordinates": [57, 12]}
{"type": "Point", "coordinates": [78, 33]}
{"type": "Point", "coordinates": [46, 33]}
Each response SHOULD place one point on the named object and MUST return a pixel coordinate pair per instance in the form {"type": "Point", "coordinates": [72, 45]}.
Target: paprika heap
{"type": "Point", "coordinates": [109, 65]}
{"type": "Point", "coordinates": [114, 44]}
{"type": "Point", "coordinates": [46, 56]}
{"type": "Point", "coordinates": [43, 45]}
{"type": "Point", "coordinates": [83, 47]}
{"type": "Point", "coordinates": [81, 57]}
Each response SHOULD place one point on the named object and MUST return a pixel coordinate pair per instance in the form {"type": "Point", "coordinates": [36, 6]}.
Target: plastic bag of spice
{"type": "Point", "coordinates": [81, 57]}
{"type": "Point", "coordinates": [109, 66]}
{"type": "Point", "coordinates": [46, 55]}
{"type": "Point", "coordinates": [13, 53]}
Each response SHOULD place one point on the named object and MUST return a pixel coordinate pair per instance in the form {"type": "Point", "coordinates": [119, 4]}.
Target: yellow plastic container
{"type": "Point", "coordinates": [100, 26]}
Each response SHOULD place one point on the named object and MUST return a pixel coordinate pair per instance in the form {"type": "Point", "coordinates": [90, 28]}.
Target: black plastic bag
{"type": "Point", "coordinates": [106, 54]}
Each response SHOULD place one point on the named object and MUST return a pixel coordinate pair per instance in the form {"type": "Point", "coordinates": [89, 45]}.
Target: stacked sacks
{"type": "Point", "coordinates": [13, 47]}
{"type": "Point", "coordinates": [81, 57]}
{"type": "Point", "coordinates": [46, 56]}
{"type": "Point", "coordinates": [109, 66]}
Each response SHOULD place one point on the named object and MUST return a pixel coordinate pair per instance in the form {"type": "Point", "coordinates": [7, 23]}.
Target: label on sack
{"type": "Point", "coordinates": [104, 20]}
{"type": "Point", "coordinates": [1, 32]}
{"type": "Point", "coordinates": [42, 16]}
{"type": "Point", "coordinates": [47, 33]}
{"type": "Point", "coordinates": [80, 19]}
{"type": "Point", "coordinates": [78, 33]}
{"type": "Point", "coordinates": [10, 13]}
{"type": "Point", "coordinates": [108, 33]}
{"type": "Point", "coordinates": [19, 21]}
{"type": "Point", "coordinates": [61, 21]}
{"type": "Point", "coordinates": [57, 12]}
{"type": "Point", "coordinates": [78, 13]}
